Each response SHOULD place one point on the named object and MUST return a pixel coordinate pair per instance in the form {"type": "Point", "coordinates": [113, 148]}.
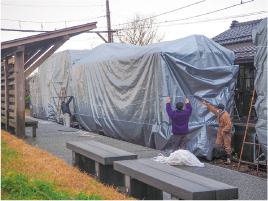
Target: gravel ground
{"type": "Point", "coordinates": [244, 168]}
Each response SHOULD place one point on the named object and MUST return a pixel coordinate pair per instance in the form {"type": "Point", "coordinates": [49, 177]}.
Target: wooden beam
{"type": "Point", "coordinates": [10, 60]}
{"type": "Point", "coordinates": [6, 95]}
{"type": "Point", "coordinates": [19, 92]}
{"type": "Point", "coordinates": [45, 56]}
{"type": "Point", "coordinates": [12, 100]}
{"type": "Point", "coordinates": [11, 76]}
{"type": "Point", "coordinates": [33, 59]}
{"type": "Point", "coordinates": [102, 37]}
{"type": "Point", "coordinates": [53, 34]}
{"type": "Point", "coordinates": [8, 52]}
{"type": "Point", "coordinates": [12, 92]}
{"type": "Point", "coordinates": [31, 54]}
{"type": "Point", "coordinates": [11, 114]}
{"type": "Point", "coordinates": [12, 107]}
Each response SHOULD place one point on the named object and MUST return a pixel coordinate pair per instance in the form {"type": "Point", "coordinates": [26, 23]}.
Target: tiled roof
{"type": "Point", "coordinates": [238, 32]}
{"type": "Point", "coordinates": [239, 40]}
{"type": "Point", "coordinates": [243, 51]}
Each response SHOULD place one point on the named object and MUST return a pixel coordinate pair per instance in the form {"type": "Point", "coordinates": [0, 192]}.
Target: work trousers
{"type": "Point", "coordinates": [224, 139]}
{"type": "Point", "coordinates": [66, 119]}
{"type": "Point", "coordinates": [179, 142]}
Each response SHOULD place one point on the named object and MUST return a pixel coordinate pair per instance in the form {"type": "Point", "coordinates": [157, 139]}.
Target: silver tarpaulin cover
{"type": "Point", "coordinates": [259, 35]}
{"type": "Point", "coordinates": [45, 86]}
{"type": "Point", "coordinates": [121, 90]}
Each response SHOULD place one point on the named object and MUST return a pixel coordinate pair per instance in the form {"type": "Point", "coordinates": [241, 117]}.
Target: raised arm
{"type": "Point", "coordinates": [211, 108]}
{"type": "Point", "coordinates": [188, 107]}
{"type": "Point", "coordinates": [168, 107]}
{"type": "Point", "coordinates": [70, 99]}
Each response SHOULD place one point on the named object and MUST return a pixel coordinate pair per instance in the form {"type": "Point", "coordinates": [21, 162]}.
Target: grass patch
{"type": "Point", "coordinates": [30, 173]}
{"type": "Point", "coordinates": [18, 186]}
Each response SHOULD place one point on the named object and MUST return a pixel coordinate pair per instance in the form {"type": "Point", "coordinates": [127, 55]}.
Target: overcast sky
{"type": "Point", "coordinates": [57, 14]}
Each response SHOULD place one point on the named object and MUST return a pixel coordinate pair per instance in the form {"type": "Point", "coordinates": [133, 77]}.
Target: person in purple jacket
{"type": "Point", "coordinates": [180, 121]}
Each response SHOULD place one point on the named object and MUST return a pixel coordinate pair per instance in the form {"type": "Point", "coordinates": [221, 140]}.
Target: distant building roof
{"type": "Point", "coordinates": [238, 38]}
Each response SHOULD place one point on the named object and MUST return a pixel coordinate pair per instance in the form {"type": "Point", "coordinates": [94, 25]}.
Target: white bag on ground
{"type": "Point", "coordinates": [179, 157]}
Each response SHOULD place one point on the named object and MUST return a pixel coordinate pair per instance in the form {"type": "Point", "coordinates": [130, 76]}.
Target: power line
{"type": "Point", "coordinates": [198, 21]}
{"type": "Point", "coordinates": [80, 9]}
{"type": "Point", "coordinates": [204, 20]}
{"type": "Point", "coordinates": [189, 17]}
{"type": "Point", "coordinates": [175, 9]}
{"type": "Point", "coordinates": [54, 21]}
{"type": "Point", "coordinates": [219, 18]}
{"type": "Point", "coordinates": [19, 30]}
{"type": "Point", "coordinates": [212, 11]}
{"type": "Point", "coordinates": [163, 13]}
{"type": "Point", "coordinates": [122, 16]}
{"type": "Point", "coordinates": [50, 6]}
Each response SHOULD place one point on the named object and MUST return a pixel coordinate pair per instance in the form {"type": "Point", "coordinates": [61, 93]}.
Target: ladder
{"type": "Point", "coordinates": [62, 97]}
{"type": "Point", "coordinates": [235, 110]}
{"type": "Point", "coordinates": [250, 143]}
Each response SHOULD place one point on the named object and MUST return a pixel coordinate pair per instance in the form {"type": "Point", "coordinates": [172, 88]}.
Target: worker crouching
{"type": "Point", "coordinates": [224, 135]}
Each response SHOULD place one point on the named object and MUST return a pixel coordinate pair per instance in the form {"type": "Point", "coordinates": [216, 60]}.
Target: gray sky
{"type": "Point", "coordinates": [58, 14]}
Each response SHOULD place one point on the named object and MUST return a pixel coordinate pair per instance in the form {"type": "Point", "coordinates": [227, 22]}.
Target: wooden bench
{"type": "Point", "coordinates": [28, 123]}
{"type": "Point", "coordinates": [147, 179]}
{"type": "Point", "coordinates": [97, 159]}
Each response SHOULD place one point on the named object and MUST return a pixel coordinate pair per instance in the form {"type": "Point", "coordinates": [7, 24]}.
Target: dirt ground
{"type": "Point", "coordinates": [244, 168]}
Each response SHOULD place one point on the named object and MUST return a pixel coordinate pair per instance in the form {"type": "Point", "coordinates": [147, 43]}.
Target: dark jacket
{"type": "Point", "coordinates": [180, 119]}
{"type": "Point", "coordinates": [65, 107]}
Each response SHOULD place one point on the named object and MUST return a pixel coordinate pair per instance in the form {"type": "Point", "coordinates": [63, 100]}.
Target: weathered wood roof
{"type": "Point", "coordinates": [38, 48]}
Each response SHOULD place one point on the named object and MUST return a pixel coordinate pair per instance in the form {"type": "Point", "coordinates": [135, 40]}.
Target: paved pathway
{"type": "Point", "coordinates": [50, 139]}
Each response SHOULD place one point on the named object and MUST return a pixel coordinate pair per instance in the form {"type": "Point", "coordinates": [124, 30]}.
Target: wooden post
{"type": "Point", "coordinates": [19, 92]}
{"type": "Point", "coordinates": [6, 94]}
{"type": "Point", "coordinates": [108, 22]}
{"type": "Point", "coordinates": [102, 37]}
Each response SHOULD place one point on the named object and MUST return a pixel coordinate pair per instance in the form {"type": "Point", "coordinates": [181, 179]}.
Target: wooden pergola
{"type": "Point", "coordinates": [19, 58]}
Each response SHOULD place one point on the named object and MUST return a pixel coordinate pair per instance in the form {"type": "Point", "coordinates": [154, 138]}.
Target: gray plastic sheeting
{"type": "Point", "coordinates": [45, 87]}
{"type": "Point", "coordinates": [121, 90]}
{"type": "Point", "coordinates": [259, 35]}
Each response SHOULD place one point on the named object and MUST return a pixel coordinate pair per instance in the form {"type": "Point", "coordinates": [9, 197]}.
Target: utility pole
{"type": "Point", "coordinates": [108, 22]}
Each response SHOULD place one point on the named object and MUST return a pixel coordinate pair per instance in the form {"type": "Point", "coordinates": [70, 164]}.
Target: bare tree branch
{"type": "Point", "coordinates": [139, 32]}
